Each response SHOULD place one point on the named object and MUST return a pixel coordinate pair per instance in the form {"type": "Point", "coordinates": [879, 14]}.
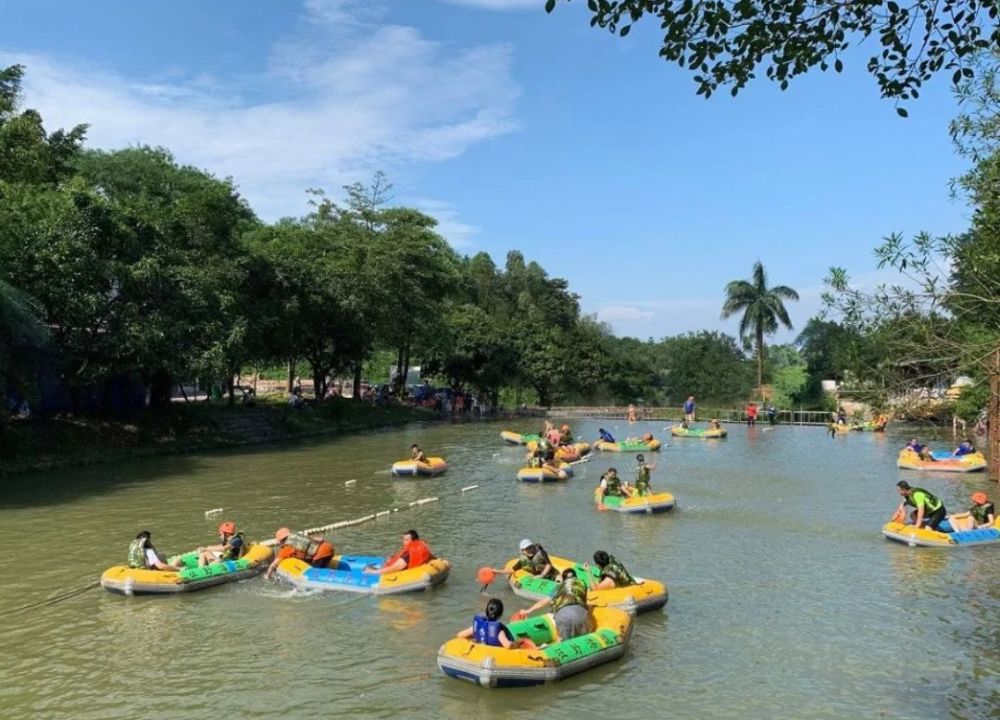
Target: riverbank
{"type": "Point", "coordinates": [49, 443]}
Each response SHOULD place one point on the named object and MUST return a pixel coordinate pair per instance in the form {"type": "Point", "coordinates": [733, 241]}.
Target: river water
{"type": "Point", "coordinates": [785, 601]}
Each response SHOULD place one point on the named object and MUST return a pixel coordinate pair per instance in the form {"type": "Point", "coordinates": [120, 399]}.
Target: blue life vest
{"type": "Point", "coordinates": [607, 437]}
{"type": "Point", "coordinates": [486, 632]}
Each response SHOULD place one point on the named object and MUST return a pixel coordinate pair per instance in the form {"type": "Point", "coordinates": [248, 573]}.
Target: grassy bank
{"type": "Point", "coordinates": [48, 443]}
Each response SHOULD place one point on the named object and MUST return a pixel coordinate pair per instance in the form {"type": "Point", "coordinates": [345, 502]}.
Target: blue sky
{"type": "Point", "coordinates": [516, 129]}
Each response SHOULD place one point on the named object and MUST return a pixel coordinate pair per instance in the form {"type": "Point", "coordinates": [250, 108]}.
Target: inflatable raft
{"type": "Point", "coordinates": [681, 431]}
{"type": "Point", "coordinates": [841, 429]}
{"type": "Point", "coordinates": [137, 581]}
{"type": "Point", "coordinates": [870, 426]}
{"type": "Point", "coordinates": [645, 505]}
{"type": "Point", "coordinates": [629, 446]}
{"type": "Point", "coordinates": [411, 468]}
{"type": "Point", "coordinates": [644, 596]}
{"type": "Point", "coordinates": [550, 660]}
{"type": "Point", "coordinates": [544, 474]}
{"type": "Point", "coordinates": [565, 453]}
{"type": "Point", "coordinates": [514, 438]}
{"type": "Point", "coordinates": [346, 572]}
{"type": "Point", "coordinates": [944, 462]}
{"type": "Point", "coordinates": [925, 537]}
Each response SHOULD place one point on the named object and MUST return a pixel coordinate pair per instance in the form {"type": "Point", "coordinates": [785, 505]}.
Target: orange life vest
{"type": "Point", "coordinates": [420, 554]}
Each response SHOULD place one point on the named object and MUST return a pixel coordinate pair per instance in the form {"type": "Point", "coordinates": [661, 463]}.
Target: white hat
{"type": "Point", "coordinates": [526, 543]}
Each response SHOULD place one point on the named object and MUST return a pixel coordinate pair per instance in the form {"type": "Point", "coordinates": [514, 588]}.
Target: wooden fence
{"type": "Point", "coordinates": [726, 415]}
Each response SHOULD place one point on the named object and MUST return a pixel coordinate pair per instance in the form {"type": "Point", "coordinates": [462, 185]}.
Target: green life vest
{"type": "Point", "coordinates": [234, 553]}
{"type": "Point", "coordinates": [614, 485]}
{"type": "Point", "coordinates": [929, 501]}
{"type": "Point", "coordinates": [981, 513]}
{"type": "Point", "coordinates": [617, 572]}
{"type": "Point", "coordinates": [570, 592]}
{"type": "Point", "coordinates": [137, 554]}
{"type": "Point", "coordinates": [535, 563]}
{"type": "Point", "coordinates": [642, 478]}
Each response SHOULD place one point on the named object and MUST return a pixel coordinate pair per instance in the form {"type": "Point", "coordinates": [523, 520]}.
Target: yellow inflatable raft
{"type": "Point", "coordinates": [544, 474]}
{"type": "Point", "coordinates": [513, 438]}
{"type": "Point", "coordinates": [925, 537]}
{"type": "Point", "coordinates": [681, 431]}
{"type": "Point", "coordinates": [943, 462]}
{"type": "Point", "coordinates": [629, 446]}
{"type": "Point", "coordinates": [346, 572]}
{"type": "Point", "coordinates": [410, 468]}
{"type": "Point", "coordinates": [636, 505]}
{"type": "Point", "coordinates": [645, 595]}
{"type": "Point", "coordinates": [565, 453]}
{"type": "Point", "coordinates": [137, 581]}
{"type": "Point", "coordinates": [550, 659]}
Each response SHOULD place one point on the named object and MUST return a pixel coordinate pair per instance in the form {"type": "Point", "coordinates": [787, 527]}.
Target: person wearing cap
{"type": "Point", "coordinates": [315, 550]}
{"type": "Point", "coordinates": [231, 546]}
{"type": "Point", "coordinates": [930, 511]}
{"type": "Point", "coordinates": [982, 514]}
{"type": "Point", "coordinates": [569, 607]}
{"type": "Point", "coordinates": [415, 552]}
{"type": "Point", "coordinates": [531, 558]}
{"type": "Point", "coordinates": [643, 471]}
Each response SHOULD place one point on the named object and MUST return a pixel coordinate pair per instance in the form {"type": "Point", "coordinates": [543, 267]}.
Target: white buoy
{"type": "Point", "coordinates": [350, 482]}
{"type": "Point", "coordinates": [213, 511]}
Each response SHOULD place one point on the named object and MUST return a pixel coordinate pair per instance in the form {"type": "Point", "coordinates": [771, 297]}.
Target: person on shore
{"type": "Point", "coordinates": [841, 416]}
{"type": "Point", "coordinates": [982, 514]}
{"type": "Point", "coordinates": [231, 546]}
{"type": "Point", "coordinates": [314, 550]}
{"type": "Point", "coordinates": [569, 607]}
{"type": "Point", "coordinates": [531, 558]}
{"type": "Point", "coordinates": [415, 552]}
{"type": "Point", "coordinates": [612, 573]}
{"type": "Point", "coordinates": [772, 413]}
{"type": "Point", "coordinates": [922, 451]}
{"type": "Point", "coordinates": [416, 454]}
{"type": "Point", "coordinates": [643, 471]}
{"type": "Point", "coordinates": [966, 448]}
{"type": "Point", "coordinates": [689, 407]}
{"type": "Point", "coordinates": [751, 414]}
{"type": "Point", "coordinates": [143, 556]}
{"type": "Point", "coordinates": [488, 629]}
{"type": "Point", "coordinates": [930, 511]}
{"type": "Point", "coordinates": [612, 486]}
{"type": "Point", "coordinates": [605, 436]}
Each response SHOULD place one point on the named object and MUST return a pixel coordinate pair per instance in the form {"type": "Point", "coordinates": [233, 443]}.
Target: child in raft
{"type": "Point", "coordinates": [488, 630]}
{"type": "Point", "coordinates": [982, 514]}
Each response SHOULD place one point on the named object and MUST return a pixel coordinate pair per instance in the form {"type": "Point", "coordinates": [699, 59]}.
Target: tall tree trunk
{"type": "Point", "coordinates": [231, 389]}
{"type": "Point", "coordinates": [159, 391]}
{"type": "Point", "coordinates": [357, 382]}
{"type": "Point", "coordinates": [993, 419]}
{"type": "Point", "coordinates": [760, 358]}
{"type": "Point", "coordinates": [319, 384]}
{"type": "Point", "coordinates": [291, 374]}
{"type": "Point", "coordinates": [406, 371]}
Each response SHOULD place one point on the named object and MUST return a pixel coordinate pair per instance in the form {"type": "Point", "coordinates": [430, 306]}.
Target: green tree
{"type": "Point", "coordinates": [709, 365]}
{"type": "Point", "coordinates": [724, 43]}
{"type": "Point", "coordinates": [762, 308]}
{"type": "Point", "coordinates": [21, 331]}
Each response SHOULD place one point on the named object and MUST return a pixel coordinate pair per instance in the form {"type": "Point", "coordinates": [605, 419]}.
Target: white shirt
{"type": "Point", "coordinates": [151, 558]}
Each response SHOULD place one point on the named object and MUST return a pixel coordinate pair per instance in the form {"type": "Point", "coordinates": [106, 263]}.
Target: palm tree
{"type": "Point", "coordinates": [762, 309]}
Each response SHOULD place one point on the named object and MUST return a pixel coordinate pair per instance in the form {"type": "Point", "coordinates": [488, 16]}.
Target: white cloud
{"type": "Point", "coordinates": [459, 234]}
{"type": "Point", "coordinates": [379, 97]}
{"type": "Point", "coordinates": [622, 313]}
{"type": "Point", "coordinates": [501, 4]}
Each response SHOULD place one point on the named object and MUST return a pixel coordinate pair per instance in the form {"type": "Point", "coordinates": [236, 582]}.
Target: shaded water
{"type": "Point", "coordinates": [784, 599]}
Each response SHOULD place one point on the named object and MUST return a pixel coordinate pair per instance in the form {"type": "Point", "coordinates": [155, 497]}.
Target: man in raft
{"type": "Point", "coordinates": [569, 607]}
{"type": "Point", "coordinates": [930, 511]}
{"type": "Point", "coordinates": [417, 455]}
{"type": "Point", "coordinates": [531, 558]}
{"type": "Point", "coordinates": [613, 573]}
{"type": "Point", "coordinates": [414, 553]}
{"type": "Point", "coordinates": [689, 410]}
{"type": "Point", "coordinates": [314, 550]}
{"type": "Point", "coordinates": [612, 485]}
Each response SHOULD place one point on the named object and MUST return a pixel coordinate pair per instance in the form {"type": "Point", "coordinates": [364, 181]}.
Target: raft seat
{"type": "Point", "coordinates": [976, 536]}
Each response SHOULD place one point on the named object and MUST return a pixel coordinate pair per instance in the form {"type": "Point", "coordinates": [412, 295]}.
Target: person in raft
{"type": "Point", "coordinates": [643, 470]}
{"type": "Point", "coordinates": [982, 514]}
{"type": "Point", "coordinates": [143, 556]}
{"type": "Point", "coordinates": [416, 454]}
{"type": "Point", "coordinates": [531, 558]}
{"type": "Point", "coordinates": [315, 550]}
{"type": "Point", "coordinates": [555, 466]}
{"type": "Point", "coordinates": [922, 451]}
{"type": "Point", "coordinates": [605, 435]}
{"type": "Point", "coordinates": [231, 546]}
{"type": "Point", "coordinates": [689, 410]}
{"type": "Point", "coordinates": [612, 485]}
{"type": "Point", "coordinates": [569, 607]}
{"type": "Point", "coordinates": [415, 552]}
{"type": "Point", "coordinates": [612, 573]}
{"type": "Point", "coordinates": [565, 435]}
{"type": "Point", "coordinates": [930, 511]}
{"type": "Point", "coordinates": [488, 630]}
{"type": "Point", "coordinates": [966, 448]}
